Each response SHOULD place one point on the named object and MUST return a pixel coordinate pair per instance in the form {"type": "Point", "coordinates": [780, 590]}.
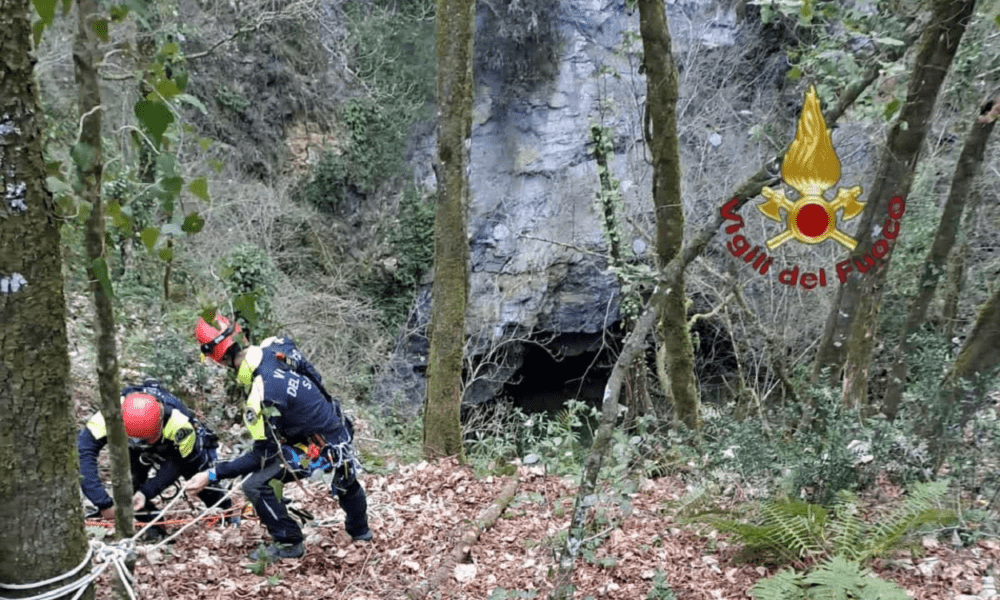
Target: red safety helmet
{"type": "Point", "coordinates": [143, 416]}
{"type": "Point", "coordinates": [215, 342]}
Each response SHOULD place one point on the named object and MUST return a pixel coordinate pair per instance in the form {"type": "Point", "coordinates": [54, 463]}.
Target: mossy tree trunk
{"type": "Point", "coordinates": [455, 31]}
{"type": "Point", "coordinates": [89, 168]}
{"type": "Point", "coordinates": [849, 335]}
{"type": "Point", "coordinates": [966, 171]}
{"type": "Point", "coordinates": [661, 135]}
{"type": "Point", "coordinates": [959, 395]}
{"type": "Point", "coordinates": [41, 516]}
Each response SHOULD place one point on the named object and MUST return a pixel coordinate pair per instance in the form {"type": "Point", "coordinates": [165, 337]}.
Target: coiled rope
{"type": "Point", "coordinates": [104, 556]}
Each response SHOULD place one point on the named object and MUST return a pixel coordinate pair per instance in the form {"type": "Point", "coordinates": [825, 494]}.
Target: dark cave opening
{"type": "Point", "coordinates": [565, 366]}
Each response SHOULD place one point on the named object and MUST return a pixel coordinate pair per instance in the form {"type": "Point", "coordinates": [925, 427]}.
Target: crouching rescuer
{"type": "Point", "coordinates": [297, 426]}
{"type": "Point", "coordinates": [163, 435]}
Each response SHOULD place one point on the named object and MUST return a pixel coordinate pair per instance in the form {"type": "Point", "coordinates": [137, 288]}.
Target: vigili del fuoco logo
{"type": "Point", "coordinates": [811, 168]}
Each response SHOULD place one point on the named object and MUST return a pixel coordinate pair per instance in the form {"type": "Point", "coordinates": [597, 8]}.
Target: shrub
{"type": "Point", "coordinates": [251, 281]}
{"type": "Point", "coordinates": [412, 253]}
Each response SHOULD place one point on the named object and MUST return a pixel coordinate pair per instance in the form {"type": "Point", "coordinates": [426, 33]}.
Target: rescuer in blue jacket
{"type": "Point", "coordinates": [163, 433]}
{"type": "Point", "coordinates": [297, 428]}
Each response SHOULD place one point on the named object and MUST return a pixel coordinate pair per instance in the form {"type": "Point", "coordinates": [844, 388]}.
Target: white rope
{"type": "Point", "coordinates": [106, 556]}
{"type": "Point", "coordinates": [204, 513]}
{"type": "Point", "coordinates": [50, 581]}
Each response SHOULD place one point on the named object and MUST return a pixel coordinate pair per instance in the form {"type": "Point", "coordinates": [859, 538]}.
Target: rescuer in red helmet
{"type": "Point", "coordinates": [297, 427]}
{"type": "Point", "coordinates": [163, 434]}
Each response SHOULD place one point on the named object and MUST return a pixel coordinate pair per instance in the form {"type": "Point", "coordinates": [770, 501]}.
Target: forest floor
{"type": "Point", "coordinates": [418, 512]}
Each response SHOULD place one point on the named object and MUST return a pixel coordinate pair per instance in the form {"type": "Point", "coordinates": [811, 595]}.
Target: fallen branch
{"type": "Point", "coordinates": [461, 550]}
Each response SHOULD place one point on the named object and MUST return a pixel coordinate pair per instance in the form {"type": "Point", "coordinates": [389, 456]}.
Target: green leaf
{"type": "Point", "coordinates": [46, 9]}
{"type": "Point", "coordinates": [118, 218]}
{"type": "Point", "coordinates": [149, 236]}
{"type": "Point", "coordinates": [166, 254]}
{"type": "Point", "coordinates": [208, 314]}
{"type": "Point", "coordinates": [173, 185]}
{"type": "Point", "coordinates": [193, 223]}
{"type": "Point", "coordinates": [199, 187]}
{"type": "Point", "coordinates": [166, 163]}
{"type": "Point", "coordinates": [277, 486]}
{"type": "Point", "coordinates": [54, 168]}
{"type": "Point", "coordinates": [181, 79]}
{"type": "Point", "coordinates": [806, 11]}
{"type": "Point", "coordinates": [155, 116]}
{"type": "Point", "coordinates": [66, 5]}
{"type": "Point", "coordinates": [101, 29]}
{"type": "Point", "coordinates": [100, 269]}
{"type": "Point", "coordinates": [83, 155]}
{"type": "Point", "coordinates": [891, 109]}
{"type": "Point", "coordinates": [66, 204]}
{"type": "Point", "coordinates": [167, 88]}
{"type": "Point", "coordinates": [794, 73]}
{"type": "Point", "coordinates": [193, 101]}
{"type": "Point", "coordinates": [205, 143]}
{"type": "Point", "coordinates": [57, 185]}
{"type": "Point", "coordinates": [246, 305]}
{"type": "Point", "coordinates": [217, 165]}
{"type": "Point", "coordinates": [36, 32]}
{"type": "Point", "coordinates": [170, 49]}
{"type": "Point", "coordinates": [118, 13]}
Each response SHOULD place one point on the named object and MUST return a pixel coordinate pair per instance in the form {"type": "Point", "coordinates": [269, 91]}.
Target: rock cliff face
{"type": "Point", "coordinates": [538, 255]}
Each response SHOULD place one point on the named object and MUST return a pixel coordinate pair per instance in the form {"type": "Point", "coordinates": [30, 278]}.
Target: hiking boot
{"type": "Point", "coordinates": [278, 551]}
{"type": "Point", "coordinates": [364, 537]}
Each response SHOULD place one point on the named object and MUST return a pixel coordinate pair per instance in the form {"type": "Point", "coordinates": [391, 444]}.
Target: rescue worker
{"type": "Point", "coordinates": [163, 433]}
{"type": "Point", "coordinates": [294, 422]}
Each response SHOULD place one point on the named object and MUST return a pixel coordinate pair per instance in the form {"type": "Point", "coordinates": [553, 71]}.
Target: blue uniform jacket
{"type": "Point", "coordinates": [179, 450]}
{"type": "Point", "coordinates": [285, 405]}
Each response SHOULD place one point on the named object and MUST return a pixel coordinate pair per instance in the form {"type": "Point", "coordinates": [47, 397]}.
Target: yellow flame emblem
{"type": "Point", "coordinates": [811, 167]}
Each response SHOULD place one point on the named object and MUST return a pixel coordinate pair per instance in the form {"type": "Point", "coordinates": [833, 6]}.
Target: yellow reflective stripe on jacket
{"type": "Point", "coordinates": [97, 427]}
{"type": "Point", "coordinates": [253, 417]}
{"type": "Point", "coordinates": [180, 431]}
{"type": "Point", "coordinates": [251, 361]}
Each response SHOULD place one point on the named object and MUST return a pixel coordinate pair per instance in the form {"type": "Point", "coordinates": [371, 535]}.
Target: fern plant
{"type": "Point", "coordinates": [836, 579]}
{"type": "Point", "coordinates": [793, 531]}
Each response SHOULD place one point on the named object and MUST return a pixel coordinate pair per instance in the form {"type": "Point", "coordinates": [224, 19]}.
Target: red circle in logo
{"type": "Point", "coordinates": [812, 220]}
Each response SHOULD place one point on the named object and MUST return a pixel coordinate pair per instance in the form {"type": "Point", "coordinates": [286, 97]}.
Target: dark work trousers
{"type": "Point", "coordinates": [272, 512]}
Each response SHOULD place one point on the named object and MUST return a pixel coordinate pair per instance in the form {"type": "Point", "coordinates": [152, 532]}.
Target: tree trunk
{"type": "Point", "coordinates": [455, 29]}
{"type": "Point", "coordinates": [41, 516]}
{"type": "Point", "coordinates": [956, 276]}
{"type": "Point", "coordinates": [637, 397]}
{"type": "Point", "coordinates": [966, 171]}
{"type": "Point", "coordinates": [661, 135]}
{"type": "Point", "coordinates": [848, 337]}
{"type": "Point", "coordinates": [977, 359]}
{"type": "Point", "coordinates": [89, 170]}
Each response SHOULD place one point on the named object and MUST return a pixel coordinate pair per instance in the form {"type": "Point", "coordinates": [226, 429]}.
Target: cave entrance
{"type": "Point", "coordinates": [562, 367]}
